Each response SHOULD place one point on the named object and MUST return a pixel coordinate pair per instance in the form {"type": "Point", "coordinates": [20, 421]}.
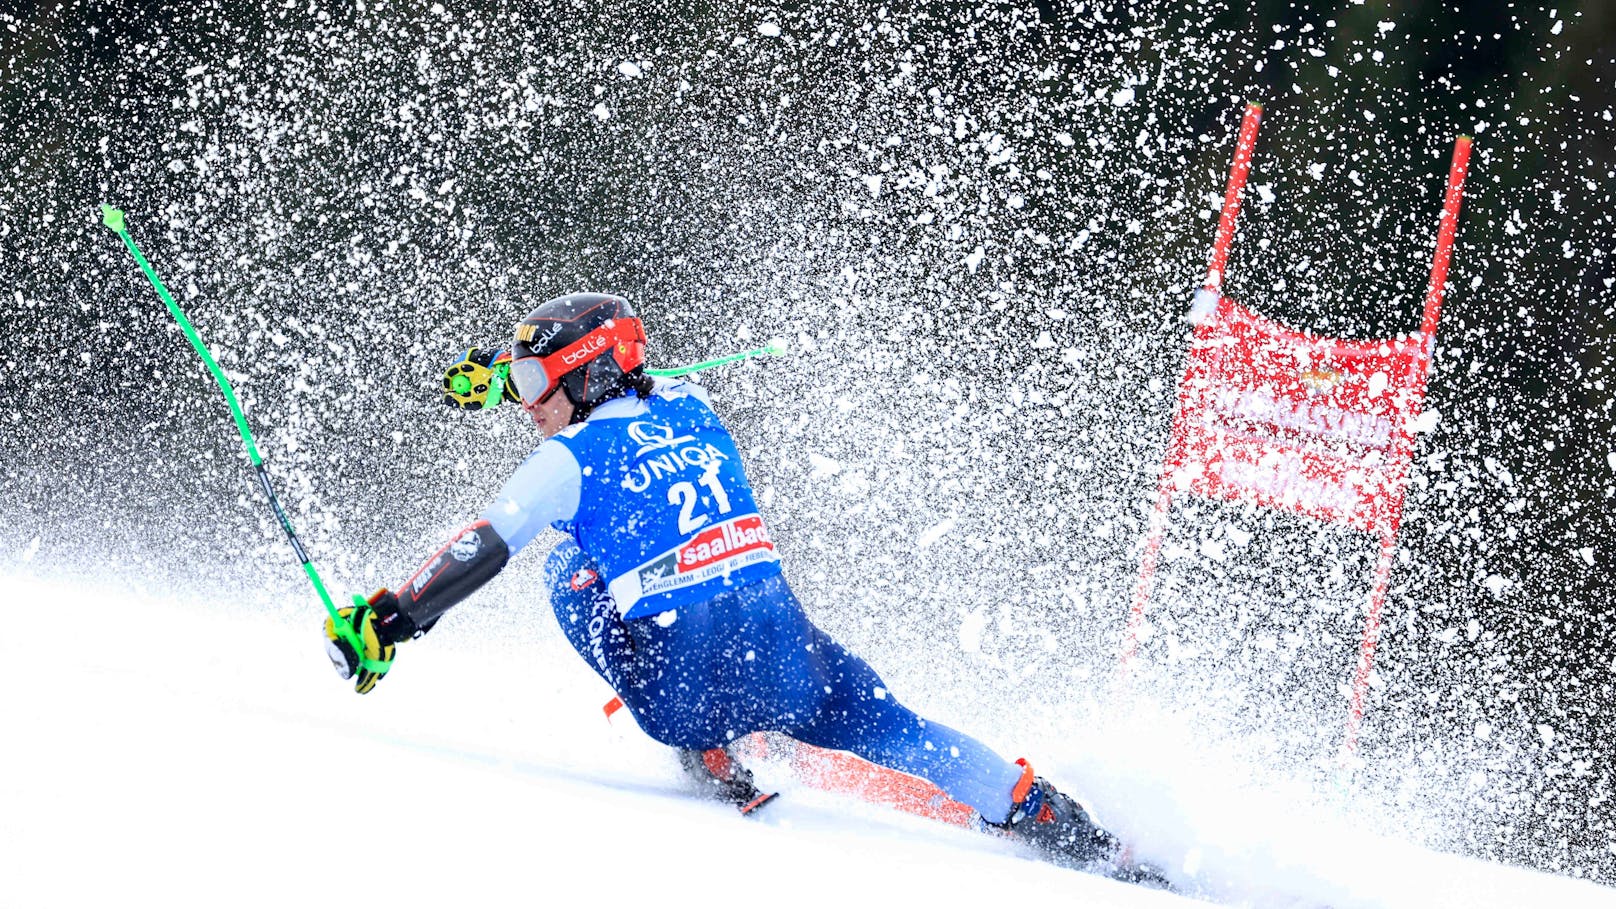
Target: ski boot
{"type": "Point", "coordinates": [1056, 825]}
{"type": "Point", "coordinates": [1067, 834]}
{"type": "Point", "coordinates": [721, 776]}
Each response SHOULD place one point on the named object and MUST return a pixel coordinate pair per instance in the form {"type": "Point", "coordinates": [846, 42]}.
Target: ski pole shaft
{"type": "Point", "coordinates": [113, 218]}
{"type": "Point", "coordinates": [774, 348]}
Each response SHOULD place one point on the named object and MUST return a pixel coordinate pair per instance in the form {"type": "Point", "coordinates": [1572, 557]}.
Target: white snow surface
{"type": "Point", "coordinates": [163, 749]}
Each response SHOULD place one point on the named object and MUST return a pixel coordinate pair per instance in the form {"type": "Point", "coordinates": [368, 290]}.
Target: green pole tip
{"type": "Point", "coordinates": [112, 217]}
{"type": "Point", "coordinates": [777, 347]}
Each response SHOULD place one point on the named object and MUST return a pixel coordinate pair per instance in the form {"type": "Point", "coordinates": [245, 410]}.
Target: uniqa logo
{"type": "Point", "coordinates": [652, 436]}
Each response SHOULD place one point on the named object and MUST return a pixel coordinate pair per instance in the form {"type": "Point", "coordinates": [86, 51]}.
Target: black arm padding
{"type": "Point", "coordinates": [467, 562]}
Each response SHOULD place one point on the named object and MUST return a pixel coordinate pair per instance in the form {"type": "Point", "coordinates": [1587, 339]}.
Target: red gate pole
{"type": "Point", "coordinates": [1444, 247]}
{"type": "Point", "coordinates": [1446, 231]}
{"type": "Point", "coordinates": [1232, 194]}
{"type": "Point", "coordinates": [1371, 638]}
{"type": "Point", "coordinates": [1241, 169]}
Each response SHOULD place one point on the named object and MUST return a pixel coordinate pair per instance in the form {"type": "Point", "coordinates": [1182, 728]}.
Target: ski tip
{"type": "Point", "coordinates": [762, 798]}
{"type": "Point", "coordinates": [112, 217]}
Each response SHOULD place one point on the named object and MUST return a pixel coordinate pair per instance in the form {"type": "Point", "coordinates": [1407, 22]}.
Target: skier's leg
{"type": "Point", "coordinates": [861, 716]}
{"type": "Point", "coordinates": [586, 613]}
{"type": "Point", "coordinates": [858, 714]}
{"type": "Point", "coordinates": [671, 671]}
{"type": "Point", "coordinates": [864, 718]}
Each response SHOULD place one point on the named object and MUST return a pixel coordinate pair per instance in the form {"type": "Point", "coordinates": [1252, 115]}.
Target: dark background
{"type": "Point", "coordinates": [341, 195]}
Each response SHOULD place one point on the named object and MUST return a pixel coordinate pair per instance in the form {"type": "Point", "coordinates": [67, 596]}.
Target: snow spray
{"type": "Point", "coordinates": [113, 218]}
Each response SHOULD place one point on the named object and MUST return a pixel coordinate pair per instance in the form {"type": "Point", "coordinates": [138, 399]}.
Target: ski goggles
{"type": "Point", "coordinates": [533, 384]}
{"type": "Point", "coordinates": [537, 378]}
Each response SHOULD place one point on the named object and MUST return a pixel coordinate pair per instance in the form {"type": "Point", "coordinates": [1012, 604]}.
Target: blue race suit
{"type": "Point", "coordinates": [670, 589]}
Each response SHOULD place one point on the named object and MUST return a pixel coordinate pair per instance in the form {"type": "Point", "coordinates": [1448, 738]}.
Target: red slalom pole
{"type": "Point", "coordinates": [1243, 149]}
{"type": "Point", "coordinates": [1445, 234]}
{"type": "Point", "coordinates": [1447, 231]}
{"type": "Point", "coordinates": [1245, 144]}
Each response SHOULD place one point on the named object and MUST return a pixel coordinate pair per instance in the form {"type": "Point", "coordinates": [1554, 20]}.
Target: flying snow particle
{"type": "Point", "coordinates": [1425, 422]}
{"type": "Point", "coordinates": [32, 550]}
{"type": "Point", "coordinates": [1587, 554]}
{"type": "Point", "coordinates": [1495, 584]}
{"type": "Point", "coordinates": [1558, 24]}
{"type": "Point", "coordinates": [934, 533]}
{"type": "Point", "coordinates": [769, 29]}
{"type": "Point", "coordinates": [1316, 171]}
{"type": "Point", "coordinates": [974, 260]}
{"type": "Point", "coordinates": [873, 184]}
{"type": "Point", "coordinates": [823, 466]}
{"type": "Point", "coordinates": [601, 112]}
{"type": "Point", "coordinates": [972, 624]}
{"type": "Point", "coordinates": [1122, 98]}
{"type": "Point", "coordinates": [1044, 341]}
{"type": "Point", "coordinates": [629, 69]}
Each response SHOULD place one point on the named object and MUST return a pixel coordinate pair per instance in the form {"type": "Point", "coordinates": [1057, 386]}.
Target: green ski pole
{"type": "Point", "coordinates": [774, 348]}
{"type": "Point", "coordinates": [113, 218]}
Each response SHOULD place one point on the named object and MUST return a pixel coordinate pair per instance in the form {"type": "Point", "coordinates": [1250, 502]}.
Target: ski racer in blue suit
{"type": "Point", "coordinates": [670, 587]}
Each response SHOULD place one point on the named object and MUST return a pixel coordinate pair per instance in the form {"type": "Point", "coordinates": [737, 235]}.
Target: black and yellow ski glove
{"type": "Point", "coordinates": [376, 625]}
{"type": "Point", "coordinates": [480, 379]}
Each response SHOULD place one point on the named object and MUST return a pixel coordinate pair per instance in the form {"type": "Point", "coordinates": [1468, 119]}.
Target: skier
{"type": "Point", "coordinates": [669, 585]}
